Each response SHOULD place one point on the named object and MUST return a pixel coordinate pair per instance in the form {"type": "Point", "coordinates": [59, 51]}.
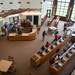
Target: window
{"type": "Point", "coordinates": [47, 5]}
{"type": "Point", "coordinates": [28, 2]}
{"type": "Point", "coordinates": [73, 13]}
{"type": "Point", "coordinates": [62, 7]}
{"type": "Point", "coordinates": [19, 2]}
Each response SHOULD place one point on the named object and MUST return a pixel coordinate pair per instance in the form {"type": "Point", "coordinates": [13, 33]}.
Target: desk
{"type": "Point", "coordinates": [73, 37]}
{"type": "Point", "coordinates": [60, 66]}
{"type": "Point", "coordinates": [52, 28]}
{"type": "Point", "coordinates": [38, 59]}
{"type": "Point", "coordinates": [5, 65]}
{"type": "Point", "coordinates": [22, 37]}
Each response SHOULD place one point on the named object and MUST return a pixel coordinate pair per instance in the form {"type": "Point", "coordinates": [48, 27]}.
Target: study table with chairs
{"type": "Point", "coordinates": [23, 36]}
{"type": "Point", "coordinates": [7, 66]}
{"type": "Point", "coordinates": [64, 64]}
{"type": "Point", "coordinates": [42, 56]}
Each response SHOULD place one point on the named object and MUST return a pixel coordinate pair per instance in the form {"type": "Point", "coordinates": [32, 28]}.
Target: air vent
{"type": "Point", "coordinates": [10, 2]}
{"type": "Point", "coordinates": [28, 2]}
{"type": "Point", "coordinates": [19, 2]}
{"type": "Point", "coordinates": [1, 3]}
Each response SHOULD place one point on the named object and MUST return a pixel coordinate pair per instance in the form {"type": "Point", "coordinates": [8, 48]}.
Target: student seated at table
{"type": "Point", "coordinates": [53, 41]}
{"type": "Point", "coordinates": [13, 67]}
{"type": "Point", "coordinates": [43, 48]}
{"type": "Point", "coordinates": [47, 44]}
{"type": "Point", "coordinates": [57, 36]}
{"type": "Point", "coordinates": [46, 50]}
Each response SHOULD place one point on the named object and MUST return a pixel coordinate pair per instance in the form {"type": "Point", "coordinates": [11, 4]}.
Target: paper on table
{"type": "Point", "coordinates": [4, 65]}
{"type": "Point", "coordinates": [25, 34]}
{"type": "Point", "coordinates": [12, 34]}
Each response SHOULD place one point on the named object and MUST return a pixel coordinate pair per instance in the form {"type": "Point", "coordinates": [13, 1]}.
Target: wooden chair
{"type": "Point", "coordinates": [13, 67]}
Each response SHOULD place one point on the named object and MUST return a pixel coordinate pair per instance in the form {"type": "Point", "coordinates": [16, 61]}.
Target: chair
{"type": "Point", "coordinates": [10, 58]}
{"type": "Point", "coordinates": [42, 48]}
{"type": "Point", "coordinates": [13, 67]}
{"type": "Point", "coordinates": [1, 33]}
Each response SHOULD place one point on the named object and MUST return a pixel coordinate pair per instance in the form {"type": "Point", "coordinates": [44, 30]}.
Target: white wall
{"type": "Point", "coordinates": [35, 4]}
{"type": "Point", "coordinates": [1, 22]}
{"type": "Point", "coordinates": [7, 6]}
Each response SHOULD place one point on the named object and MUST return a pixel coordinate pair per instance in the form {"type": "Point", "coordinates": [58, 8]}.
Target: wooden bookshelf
{"type": "Point", "coordinates": [59, 65]}
{"type": "Point", "coordinates": [40, 57]}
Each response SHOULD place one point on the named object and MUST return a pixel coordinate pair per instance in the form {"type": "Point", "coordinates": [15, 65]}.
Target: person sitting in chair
{"type": "Point", "coordinates": [42, 48]}
{"type": "Point", "coordinates": [47, 44]}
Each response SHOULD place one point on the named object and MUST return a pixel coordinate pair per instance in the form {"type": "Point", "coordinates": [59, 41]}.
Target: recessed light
{"type": "Point", "coordinates": [28, 2]}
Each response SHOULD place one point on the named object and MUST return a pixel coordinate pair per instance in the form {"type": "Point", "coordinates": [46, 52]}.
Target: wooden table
{"type": "Point", "coordinates": [73, 38]}
{"type": "Point", "coordinates": [5, 65]}
{"type": "Point", "coordinates": [37, 59]}
{"type": "Point", "coordinates": [68, 61]}
{"type": "Point", "coordinates": [22, 37]}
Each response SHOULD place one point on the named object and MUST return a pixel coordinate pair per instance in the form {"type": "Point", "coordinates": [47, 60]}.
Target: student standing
{"type": "Point", "coordinates": [43, 35]}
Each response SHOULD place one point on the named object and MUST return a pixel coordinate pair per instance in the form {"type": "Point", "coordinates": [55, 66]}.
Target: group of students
{"type": "Point", "coordinates": [45, 47]}
{"type": "Point", "coordinates": [56, 37]}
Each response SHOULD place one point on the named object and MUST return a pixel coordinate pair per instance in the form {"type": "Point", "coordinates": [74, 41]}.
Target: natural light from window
{"type": "Point", "coordinates": [73, 13]}
{"type": "Point", "coordinates": [62, 7]}
{"type": "Point", "coordinates": [47, 5]}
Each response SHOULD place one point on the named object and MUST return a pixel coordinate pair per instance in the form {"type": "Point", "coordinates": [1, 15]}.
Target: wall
{"type": "Point", "coordinates": [35, 4]}
{"type": "Point", "coordinates": [7, 6]}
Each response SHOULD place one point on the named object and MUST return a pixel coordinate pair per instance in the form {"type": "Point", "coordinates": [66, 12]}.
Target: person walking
{"type": "Point", "coordinates": [43, 35]}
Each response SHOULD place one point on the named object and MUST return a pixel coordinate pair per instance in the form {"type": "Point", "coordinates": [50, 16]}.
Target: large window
{"type": "Point", "coordinates": [62, 7]}
{"type": "Point", "coordinates": [47, 5]}
{"type": "Point", "coordinates": [73, 13]}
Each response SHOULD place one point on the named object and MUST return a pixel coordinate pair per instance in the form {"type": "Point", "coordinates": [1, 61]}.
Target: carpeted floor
{"type": "Point", "coordinates": [22, 52]}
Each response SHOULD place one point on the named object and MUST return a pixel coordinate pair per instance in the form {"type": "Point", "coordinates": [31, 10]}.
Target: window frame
{"type": "Point", "coordinates": [61, 5]}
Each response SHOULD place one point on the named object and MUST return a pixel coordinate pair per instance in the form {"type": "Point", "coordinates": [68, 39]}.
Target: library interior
{"type": "Point", "coordinates": [37, 37]}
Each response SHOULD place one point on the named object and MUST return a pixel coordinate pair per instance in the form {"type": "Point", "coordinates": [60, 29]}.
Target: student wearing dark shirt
{"type": "Point", "coordinates": [42, 48]}
{"type": "Point", "coordinates": [43, 35]}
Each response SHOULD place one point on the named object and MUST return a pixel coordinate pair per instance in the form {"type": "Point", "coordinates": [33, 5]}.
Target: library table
{"type": "Point", "coordinates": [5, 65]}
{"type": "Point", "coordinates": [22, 37]}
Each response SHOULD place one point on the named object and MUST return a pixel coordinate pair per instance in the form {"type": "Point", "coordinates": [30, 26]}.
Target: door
{"type": "Point", "coordinates": [36, 20]}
